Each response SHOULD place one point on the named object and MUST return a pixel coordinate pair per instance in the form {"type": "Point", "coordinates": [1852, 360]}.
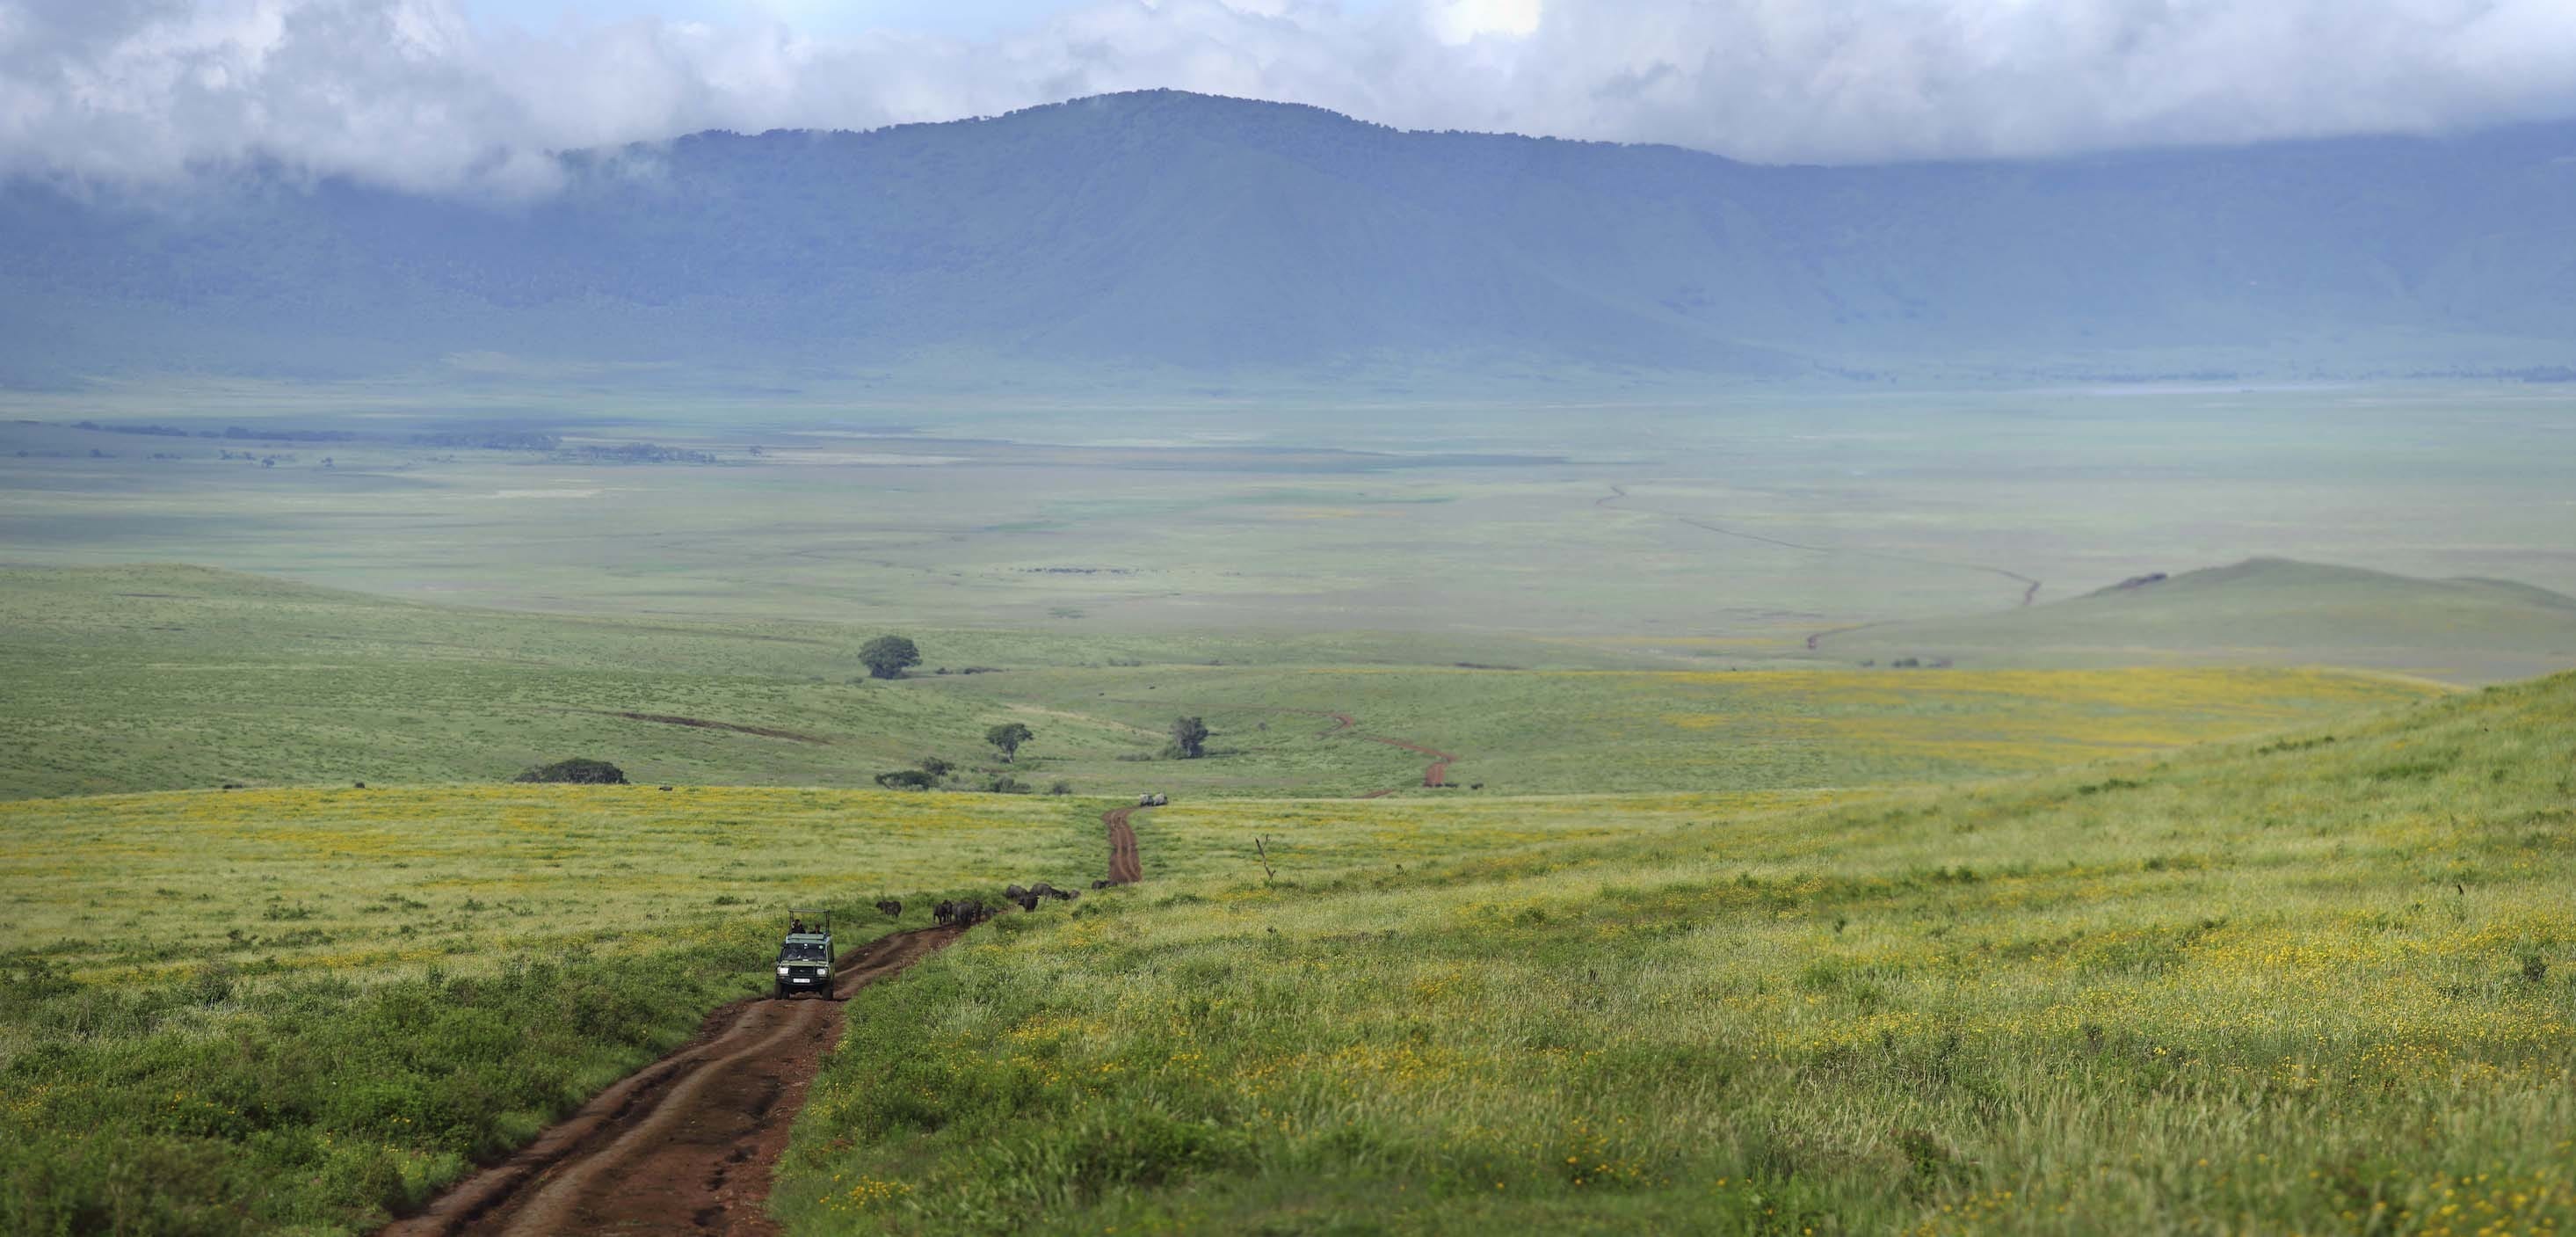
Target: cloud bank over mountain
{"type": "Point", "coordinates": [411, 94]}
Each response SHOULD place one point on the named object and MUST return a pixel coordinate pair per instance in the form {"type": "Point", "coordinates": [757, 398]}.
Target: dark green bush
{"type": "Point", "coordinates": [577, 770]}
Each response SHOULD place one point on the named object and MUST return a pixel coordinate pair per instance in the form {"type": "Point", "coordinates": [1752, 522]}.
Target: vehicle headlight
{"type": "Point", "coordinates": [782, 970]}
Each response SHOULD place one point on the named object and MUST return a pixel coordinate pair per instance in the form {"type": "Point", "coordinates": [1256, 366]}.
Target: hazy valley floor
{"type": "Point", "coordinates": [1742, 823]}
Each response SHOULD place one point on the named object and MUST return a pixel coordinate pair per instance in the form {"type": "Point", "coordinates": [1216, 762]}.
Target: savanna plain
{"type": "Point", "coordinates": [2077, 811]}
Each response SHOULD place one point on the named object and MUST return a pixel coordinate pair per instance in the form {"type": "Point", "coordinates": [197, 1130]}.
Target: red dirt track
{"type": "Point", "coordinates": [1438, 772]}
{"type": "Point", "coordinates": [686, 1144]}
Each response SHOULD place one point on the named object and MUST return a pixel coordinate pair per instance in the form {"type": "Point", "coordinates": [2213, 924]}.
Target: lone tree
{"type": "Point", "coordinates": [1189, 737]}
{"type": "Point", "coordinates": [886, 656]}
{"type": "Point", "coordinates": [1009, 736]}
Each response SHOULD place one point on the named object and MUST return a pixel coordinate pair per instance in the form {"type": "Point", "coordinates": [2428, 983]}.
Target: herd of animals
{"type": "Point", "coordinates": [970, 911]}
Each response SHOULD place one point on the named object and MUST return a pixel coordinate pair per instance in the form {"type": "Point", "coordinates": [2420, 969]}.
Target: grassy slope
{"type": "Point", "coordinates": [279, 1009]}
{"type": "Point", "coordinates": [2266, 609]}
{"type": "Point", "coordinates": [2322, 984]}
{"type": "Point", "coordinates": [162, 677]}
{"type": "Point", "coordinates": [1567, 731]}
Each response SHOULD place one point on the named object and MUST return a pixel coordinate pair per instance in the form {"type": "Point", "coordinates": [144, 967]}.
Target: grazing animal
{"type": "Point", "coordinates": [1015, 893]}
{"type": "Point", "coordinates": [1100, 884]}
{"type": "Point", "coordinates": [944, 914]}
{"type": "Point", "coordinates": [666, 788]}
{"type": "Point", "coordinates": [892, 908]}
{"type": "Point", "coordinates": [362, 785]}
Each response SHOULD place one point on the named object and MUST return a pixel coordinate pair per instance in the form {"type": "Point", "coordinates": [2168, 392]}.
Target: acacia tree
{"type": "Point", "coordinates": [1189, 737]}
{"type": "Point", "coordinates": [886, 656]}
{"type": "Point", "coordinates": [1009, 736]}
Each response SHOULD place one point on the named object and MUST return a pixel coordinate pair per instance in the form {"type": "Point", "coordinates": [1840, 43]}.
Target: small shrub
{"type": "Point", "coordinates": [578, 771]}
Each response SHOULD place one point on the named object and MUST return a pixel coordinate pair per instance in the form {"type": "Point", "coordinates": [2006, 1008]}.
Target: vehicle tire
{"type": "Point", "coordinates": [778, 992]}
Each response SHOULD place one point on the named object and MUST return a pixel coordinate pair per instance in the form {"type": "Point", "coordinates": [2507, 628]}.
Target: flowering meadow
{"type": "Point", "coordinates": [2321, 983]}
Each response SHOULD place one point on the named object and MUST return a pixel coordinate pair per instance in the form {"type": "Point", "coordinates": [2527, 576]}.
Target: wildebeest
{"type": "Point", "coordinates": [1100, 884]}
{"type": "Point", "coordinates": [966, 911]}
{"type": "Point", "coordinates": [1015, 893]}
{"type": "Point", "coordinates": [891, 908]}
{"type": "Point", "coordinates": [1028, 901]}
{"type": "Point", "coordinates": [1045, 890]}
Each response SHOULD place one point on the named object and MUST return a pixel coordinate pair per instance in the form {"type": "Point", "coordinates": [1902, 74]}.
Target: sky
{"type": "Point", "coordinates": [472, 96]}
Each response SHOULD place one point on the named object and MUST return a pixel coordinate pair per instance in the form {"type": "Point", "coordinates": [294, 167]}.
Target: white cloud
{"type": "Point", "coordinates": [410, 93]}
{"type": "Point", "coordinates": [1458, 21]}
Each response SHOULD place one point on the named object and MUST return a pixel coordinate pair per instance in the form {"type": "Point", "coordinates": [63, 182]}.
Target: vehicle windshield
{"type": "Point", "coordinates": [800, 951]}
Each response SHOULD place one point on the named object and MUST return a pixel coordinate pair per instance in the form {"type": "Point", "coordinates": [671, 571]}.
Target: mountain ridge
{"type": "Point", "coordinates": [1164, 232]}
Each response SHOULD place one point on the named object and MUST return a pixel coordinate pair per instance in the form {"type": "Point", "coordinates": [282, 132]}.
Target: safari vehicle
{"type": "Point", "coordinates": [1150, 799]}
{"type": "Point", "coordinates": [805, 957]}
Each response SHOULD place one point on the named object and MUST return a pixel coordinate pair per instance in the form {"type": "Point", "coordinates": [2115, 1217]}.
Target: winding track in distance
{"type": "Point", "coordinates": [1126, 865]}
{"type": "Point", "coordinates": [685, 1145]}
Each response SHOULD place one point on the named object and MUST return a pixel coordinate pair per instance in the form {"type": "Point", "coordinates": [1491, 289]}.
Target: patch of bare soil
{"type": "Point", "coordinates": [685, 1145]}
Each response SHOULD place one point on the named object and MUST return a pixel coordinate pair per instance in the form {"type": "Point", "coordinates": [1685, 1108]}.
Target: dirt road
{"type": "Point", "coordinates": [1437, 774]}
{"type": "Point", "coordinates": [1125, 867]}
{"type": "Point", "coordinates": [686, 1144]}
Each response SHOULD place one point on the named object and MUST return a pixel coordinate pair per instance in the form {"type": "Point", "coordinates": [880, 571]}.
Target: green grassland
{"type": "Point", "coordinates": [1697, 943]}
{"type": "Point", "coordinates": [298, 1009]}
{"type": "Point", "coordinates": [1577, 731]}
{"type": "Point", "coordinates": [2321, 983]}
{"type": "Point", "coordinates": [163, 677]}
{"type": "Point", "coordinates": [2261, 610]}
{"type": "Point", "coordinates": [2252, 986]}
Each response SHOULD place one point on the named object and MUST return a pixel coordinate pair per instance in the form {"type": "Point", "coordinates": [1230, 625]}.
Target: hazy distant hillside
{"type": "Point", "coordinates": [2264, 609]}
{"type": "Point", "coordinates": [1181, 233]}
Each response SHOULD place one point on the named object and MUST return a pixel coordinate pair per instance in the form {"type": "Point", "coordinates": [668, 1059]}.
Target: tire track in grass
{"type": "Point", "coordinates": [1126, 864]}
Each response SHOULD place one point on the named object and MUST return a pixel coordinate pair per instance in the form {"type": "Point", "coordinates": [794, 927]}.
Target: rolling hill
{"type": "Point", "coordinates": [165, 677]}
{"type": "Point", "coordinates": [2262, 610]}
{"type": "Point", "coordinates": [2204, 991]}
{"type": "Point", "coordinates": [1164, 235]}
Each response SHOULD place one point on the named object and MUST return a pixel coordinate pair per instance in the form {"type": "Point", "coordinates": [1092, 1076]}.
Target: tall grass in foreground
{"type": "Point", "coordinates": [299, 1010]}
{"type": "Point", "coordinates": [2324, 985]}
{"type": "Point", "coordinates": [220, 1105]}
